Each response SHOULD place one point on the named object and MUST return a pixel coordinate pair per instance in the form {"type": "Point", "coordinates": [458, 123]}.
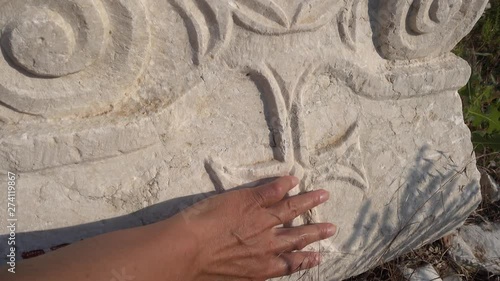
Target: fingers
{"type": "Point", "coordinates": [289, 263]}
{"type": "Point", "coordinates": [271, 193]}
{"type": "Point", "coordinates": [292, 207]}
{"type": "Point", "coordinates": [292, 239]}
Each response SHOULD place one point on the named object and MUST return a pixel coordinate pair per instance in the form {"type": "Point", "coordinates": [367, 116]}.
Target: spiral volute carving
{"type": "Point", "coordinates": [70, 57]}
{"type": "Point", "coordinates": [424, 28]}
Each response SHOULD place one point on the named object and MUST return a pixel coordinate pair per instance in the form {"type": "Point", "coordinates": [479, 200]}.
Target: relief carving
{"type": "Point", "coordinates": [316, 158]}
{"type": "Point", "coordinates": [209, 23]}
{"type": "Point", "coordinates": [269, 18]}
{"type": "Point", "coordinates": [122, 104]}
{"type": "Point", "coordinates": [424, 28]}
{"type": "Point", "coordinates": [70, 57]}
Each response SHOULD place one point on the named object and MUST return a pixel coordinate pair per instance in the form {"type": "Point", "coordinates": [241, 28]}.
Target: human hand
{"type": "Point", "coordinates": [238, 234]}
{"type": "Point", "coordinates": [232, 236]}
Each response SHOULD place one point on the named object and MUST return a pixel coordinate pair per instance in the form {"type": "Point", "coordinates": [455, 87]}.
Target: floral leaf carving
{"type": "Point", "coordinates": [337, 159]}
{"type": "Point", "coordinates": [275, 97]}
{"type": "Point", "coordinates": [266, 10]}
{"type": "Point", "coordinates": [226, 176]}
{"type": "Point", "coordinates": [266, 17]}
{"type": "Point", "coordinates": [347, 24]}
{"type": "Point", "coordinates": [340, 159]}
{"type": "Point", "coordinates": [208, 24]}
{"type": "Point", "coordinates": [313, 13]}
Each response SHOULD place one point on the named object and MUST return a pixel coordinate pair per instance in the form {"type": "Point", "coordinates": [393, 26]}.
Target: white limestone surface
{"type": "Point", "coordinates": [119, 113]}
{"type": "Point", "coordinates": [477, 246]}
{"type": "Point", "coordinates": [424, 273]}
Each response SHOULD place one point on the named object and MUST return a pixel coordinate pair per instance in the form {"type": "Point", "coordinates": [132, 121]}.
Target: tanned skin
{"type": "Point", "coordinates": [233, 236]}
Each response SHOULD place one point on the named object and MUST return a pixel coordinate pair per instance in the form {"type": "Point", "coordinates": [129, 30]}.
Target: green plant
{"type": "Point", "coordinates": [481, 96]}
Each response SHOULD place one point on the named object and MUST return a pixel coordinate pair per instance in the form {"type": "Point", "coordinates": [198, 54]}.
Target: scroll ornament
{"type": "Point", "coordinates": [424, 28]}
{"type": "Point", "coordinates": [70, 57]}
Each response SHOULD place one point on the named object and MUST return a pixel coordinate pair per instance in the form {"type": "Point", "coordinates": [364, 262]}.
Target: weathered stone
{"type": "Point", "coordinates": [478, 246]}
{"type": "Point", "coordinates": [109, 107]}
{"type": "Point", "coordinates": [424, 273]}
{"type": "Point", "coordinates": [489, 188]}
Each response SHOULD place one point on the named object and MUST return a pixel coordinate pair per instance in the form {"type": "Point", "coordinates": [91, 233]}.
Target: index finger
{"type": "Point", "coordinates": [271, 193]}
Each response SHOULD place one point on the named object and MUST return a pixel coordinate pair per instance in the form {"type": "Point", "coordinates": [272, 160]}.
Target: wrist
{"type": "Point", "coordinates": [178, 248]}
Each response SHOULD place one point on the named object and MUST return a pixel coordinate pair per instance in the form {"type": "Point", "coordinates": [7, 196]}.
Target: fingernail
{"type": "Point", "coordinates": [295, 181]}
{"type": "Point", "coordinates": [323, 197]}
{"type": "Point", "coordinates": [331, 229]}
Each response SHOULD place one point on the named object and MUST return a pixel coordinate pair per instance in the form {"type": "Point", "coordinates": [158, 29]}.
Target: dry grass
{"type": "Point", "coordinates": [434, 254]}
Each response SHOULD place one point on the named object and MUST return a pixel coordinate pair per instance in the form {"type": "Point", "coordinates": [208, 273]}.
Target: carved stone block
{"type": "Point", "coordinates": [117, 113]}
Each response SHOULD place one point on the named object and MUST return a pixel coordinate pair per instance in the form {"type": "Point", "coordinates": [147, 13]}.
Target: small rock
{"type": "Point", "coordinates": [478, 246]}
{"type": "Point", "coordinates": [489, 188]}
{"type": "Point", "coordinates": [424, 273]}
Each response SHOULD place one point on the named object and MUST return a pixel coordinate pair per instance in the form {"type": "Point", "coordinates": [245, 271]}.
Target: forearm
{"type": "Point", "coordinates": [233, 236]}
{"type": "Point", "coordinates": [150, 253]}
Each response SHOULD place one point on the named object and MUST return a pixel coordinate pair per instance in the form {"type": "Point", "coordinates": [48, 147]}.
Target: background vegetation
{"type": "Point", "coordinates": [481, 96]}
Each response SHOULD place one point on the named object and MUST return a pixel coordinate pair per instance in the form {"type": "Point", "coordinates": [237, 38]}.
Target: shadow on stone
{"type": "Point", "coordinates": [30, 241]}
{"type": "Point", "coordinates": [423, 215]}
